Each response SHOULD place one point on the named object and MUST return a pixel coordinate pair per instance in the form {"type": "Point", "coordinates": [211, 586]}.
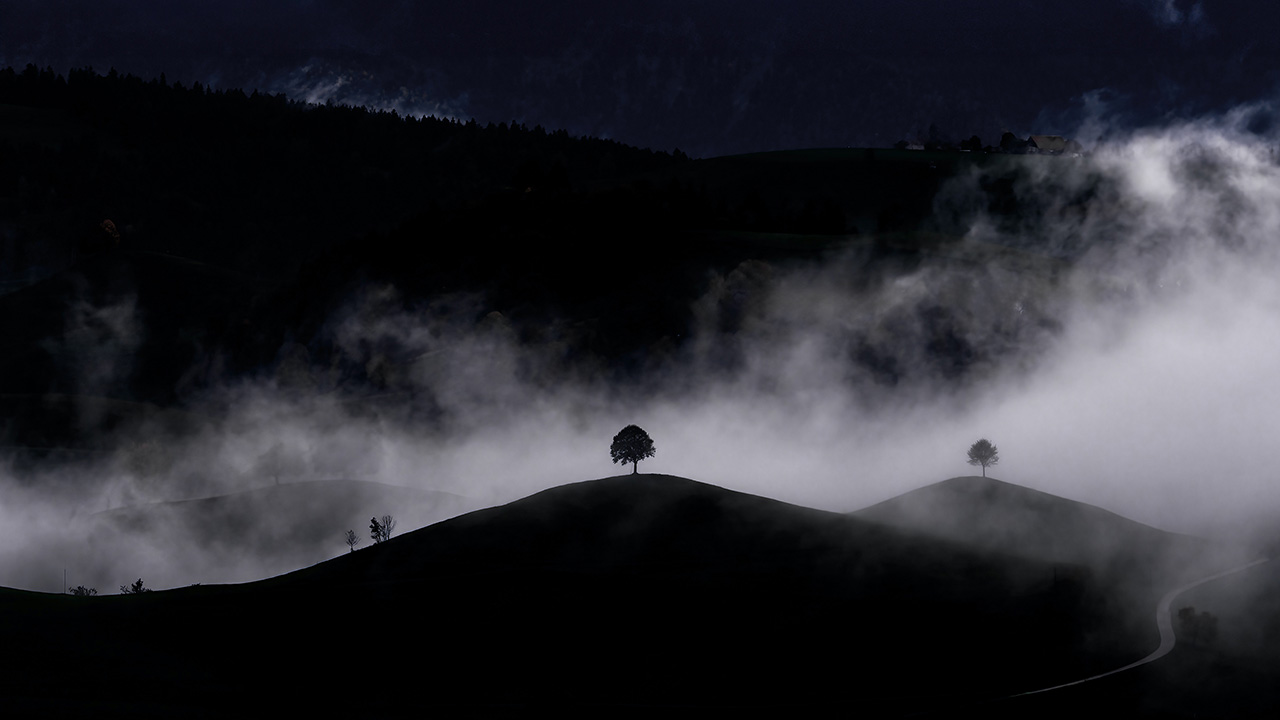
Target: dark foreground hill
{"type": "Point", "coordinates": [649, 592]}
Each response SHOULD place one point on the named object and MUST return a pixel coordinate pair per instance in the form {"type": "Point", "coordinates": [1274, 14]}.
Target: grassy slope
{"type": "Point", "coordinates": [638, 589]}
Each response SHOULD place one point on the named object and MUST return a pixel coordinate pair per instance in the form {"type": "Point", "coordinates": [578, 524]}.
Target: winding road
{"type": "Point", "coordinates": [1164, 621]}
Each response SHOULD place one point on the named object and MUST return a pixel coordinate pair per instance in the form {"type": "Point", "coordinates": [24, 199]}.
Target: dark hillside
{"type": "Point", "coordinates": [130, 325]}
{"type": "Point", "coordinates": [254, 182]}
{"type": "Point", "coordinates": [121, 339]}
{"type": "Point", "coordinates": [1137, 562]}
{"type": "Point", "coordinates": [608, 278]}
{"type": "Point", "coordinates": [638, 591]}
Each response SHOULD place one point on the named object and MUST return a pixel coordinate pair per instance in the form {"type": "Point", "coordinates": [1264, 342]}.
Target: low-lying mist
{"type": "Point", "coordinates": [1121, 342]}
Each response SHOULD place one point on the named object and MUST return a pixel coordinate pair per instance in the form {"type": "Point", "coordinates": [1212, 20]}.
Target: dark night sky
{"type": "Point", "coordinates": [709, 77]}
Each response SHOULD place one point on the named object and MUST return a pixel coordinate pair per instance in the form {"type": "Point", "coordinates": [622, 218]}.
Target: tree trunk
{"type": "Point", "coordinates": [634, 471]}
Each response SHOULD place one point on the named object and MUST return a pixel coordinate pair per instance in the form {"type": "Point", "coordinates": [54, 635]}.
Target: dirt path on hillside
{"type": "Point", "coordinates": [1164, 621]}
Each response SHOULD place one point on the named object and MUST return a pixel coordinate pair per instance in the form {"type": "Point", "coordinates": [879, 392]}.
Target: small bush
{"type": "Point", "coordinates": [134, 589]}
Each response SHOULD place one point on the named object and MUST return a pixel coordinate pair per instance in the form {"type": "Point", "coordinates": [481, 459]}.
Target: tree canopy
{"type": "Point", "coordinates": [983, 453]}
{"type": "Point", "coordinates": [631, 445]}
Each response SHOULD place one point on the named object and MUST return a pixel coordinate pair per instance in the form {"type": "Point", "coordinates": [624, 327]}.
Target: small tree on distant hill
{"type": "Point", "coordinates": [631, 445]}
{"type": "Point", "coordinates": [380, 531]}
{"type": "Point", "coordinates": [352, 540]}
{"type": "Point", "coordinates": [134, 589]}
{"type": "Point", "coordinates": [83, 591]}
{"type": "Point", "coordinates": [983, 453]}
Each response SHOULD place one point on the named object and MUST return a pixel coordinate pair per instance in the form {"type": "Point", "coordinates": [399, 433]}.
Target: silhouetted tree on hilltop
{"type": "Point", "coordinates": [983, 453]}
{"type": "Point", "coordinates": [352, 540]}
{"type": "Point", "coordinates": [631, 445]}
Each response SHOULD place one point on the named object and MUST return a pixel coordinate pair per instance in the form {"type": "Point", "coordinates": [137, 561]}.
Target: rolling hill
{"type": "Point", "coordinates": [637, 592]}
{"type": "Point", "coordinates": [1007, 518]}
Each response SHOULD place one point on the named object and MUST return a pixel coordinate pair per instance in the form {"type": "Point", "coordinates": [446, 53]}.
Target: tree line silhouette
{"type": "Point", "coordinates": [251, 180]}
